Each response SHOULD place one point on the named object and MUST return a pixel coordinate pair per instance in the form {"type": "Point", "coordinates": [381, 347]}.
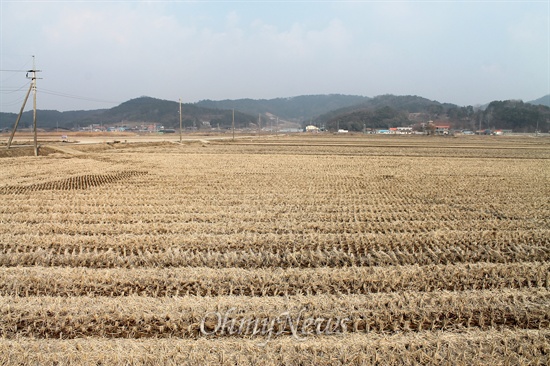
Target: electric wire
{"type": "Point", "coordinates": [12, 103]}
{"type": "Point", "coordinates": [13, 89]}
{"type": "Point", "coordinates": [73, 96]}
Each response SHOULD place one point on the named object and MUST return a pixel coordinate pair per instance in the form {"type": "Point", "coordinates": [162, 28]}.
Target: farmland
{"type": "Point", "coordinates": [352, 249]}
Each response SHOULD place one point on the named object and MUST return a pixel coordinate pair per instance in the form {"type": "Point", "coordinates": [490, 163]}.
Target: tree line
{"type": "Point", "coordinates": [511, 115]}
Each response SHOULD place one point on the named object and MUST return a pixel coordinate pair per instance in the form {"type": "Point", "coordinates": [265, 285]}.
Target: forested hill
{"type": "Point", "coordinates": [408, 104]}
{"type": "Point", "coordinates": [142, 109]}
{"type": "Point", "coordinates": [385, 111]}
{"type": "Point", "coordinates": [392, 111]}
{"type": "Point", "coordinates": [541, 101]}
{"type": "Point", "coordinates": [518, 116]}
{"type": "Point", "coordinates": [298, 109]}
{"type": "Point", "coordinates": [167, 113]}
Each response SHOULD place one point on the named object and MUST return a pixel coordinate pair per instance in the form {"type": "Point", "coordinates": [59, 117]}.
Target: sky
{"type": "Point", "coordinates": [97, 54]}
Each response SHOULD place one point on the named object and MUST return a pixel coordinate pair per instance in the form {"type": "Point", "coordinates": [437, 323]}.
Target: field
{"type": "Point", "coordinates": [295, 250]}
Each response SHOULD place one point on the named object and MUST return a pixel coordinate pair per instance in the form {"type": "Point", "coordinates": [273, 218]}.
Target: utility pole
{"type": "Point", "coordinates": [180, 121]}
{"type": "Point", "coordinates": [19, 117]}
{"type": "Point", "coordinates": [480, 118]}
{"type": "Point", "coordinates": [259, 123]}
{"type": "Point", "coordinates": [34, 107]}
{"type": "Point", "coordinates": [33, 88]}
{"type": "Point", "coordinates": [233, 124]}
{"type": "Point", "coordinates": [277, 127]}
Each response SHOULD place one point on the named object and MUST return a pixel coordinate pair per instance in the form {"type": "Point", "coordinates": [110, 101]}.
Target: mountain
{"type": "Point", "coordinates": [409, 103]}
{"type": "Point", "coordinates": [297, 109]}
{"type": "Point", "coordinates": [541, 101]}
{"type": "Point", "coordinates": [388, 111]}
{"type": "Point", "coordinates": [385, 111]}
{"type": "Point", "coordinates": [147, 109]}
{"type": "Point", "coordinates": [517, 116]}
{"type": "Point", "coordinates": [142, 109]}
{"type": "Point", "coordinates": [330, 111]}
{"type": "Point", "coordinates": [49, 118]}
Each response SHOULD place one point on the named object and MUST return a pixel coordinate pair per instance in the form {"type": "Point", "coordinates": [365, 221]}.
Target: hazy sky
{"type": "Point", "coordinates": [97, 54]}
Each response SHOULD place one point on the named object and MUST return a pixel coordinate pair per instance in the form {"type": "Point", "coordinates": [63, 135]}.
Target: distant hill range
{"type": "Point", "coordinates": [386, 111]}
{"type": "Point", "coordinates": [541, 101]}
{"type": "Point", "coordinates": [331, 112]}
{"type": "Point", "coordinates": [145, 110]}
{"type": "Point", "coordinates": [297, 109]}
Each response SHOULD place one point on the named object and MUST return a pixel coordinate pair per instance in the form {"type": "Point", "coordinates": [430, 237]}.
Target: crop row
{"type": "Point", "coordinates": [183, 224]}
{"type": "Point", "coordinates": [358, 244]}
{"type": "Point", "coordinates": [473, 347]}
{"type": "Point", "coordinates": [59, 281]}
{"type": "Point", "coordinates": [265, 208]}
{"type": "Point", "coordinates": [195, 317]}
{"type": "Point", "coordinates": [391, 150]}
{"type": "Point", "coordinates": [279, 253]}
{"type": "Point", "coordinates": [125, 208]}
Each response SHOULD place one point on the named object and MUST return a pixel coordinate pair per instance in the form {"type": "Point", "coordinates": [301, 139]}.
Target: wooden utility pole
{"type": "Point", "coordinates": [34, 108]}
{"type": "Point", "coordinates": [180, 122]}
{"type": "Point", "coordinates": [233, 124]}
{"type": "Point", "coordinates": [19, 117]}
{"type": "Point", "coordinates": [33, 88]}
{"type": "Point", "coordinates": [480, 118]}
{"type": "Point", "coordinates": [259, 123]}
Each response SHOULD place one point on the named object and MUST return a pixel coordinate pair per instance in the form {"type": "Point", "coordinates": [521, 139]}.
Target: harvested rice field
{"type": "Point", "coordinates": [278, 250]}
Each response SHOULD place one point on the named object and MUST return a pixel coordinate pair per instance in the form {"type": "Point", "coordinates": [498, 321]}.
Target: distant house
{"type": "Point", "coordinates": [312, 128]}
{"type": "Point", "coordinates": [404, 130]}
{"type": "Point", "coordinates": [502, 132]}
{"type": "Point", "coordinates": [442, 129]}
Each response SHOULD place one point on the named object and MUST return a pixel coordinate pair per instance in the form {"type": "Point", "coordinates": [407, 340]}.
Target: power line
{"type": "Point", "coordinates": [12, 89]}
{"type": "Point", "coordinates": [18, 100]}
{"type": "Point", "coordinates": [9, 104]}
{"type": "Point", "coordinates": [73, 96]}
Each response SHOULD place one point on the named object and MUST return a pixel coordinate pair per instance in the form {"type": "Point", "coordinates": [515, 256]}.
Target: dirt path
{"type": "Point", "coordinates": [64, 149]}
